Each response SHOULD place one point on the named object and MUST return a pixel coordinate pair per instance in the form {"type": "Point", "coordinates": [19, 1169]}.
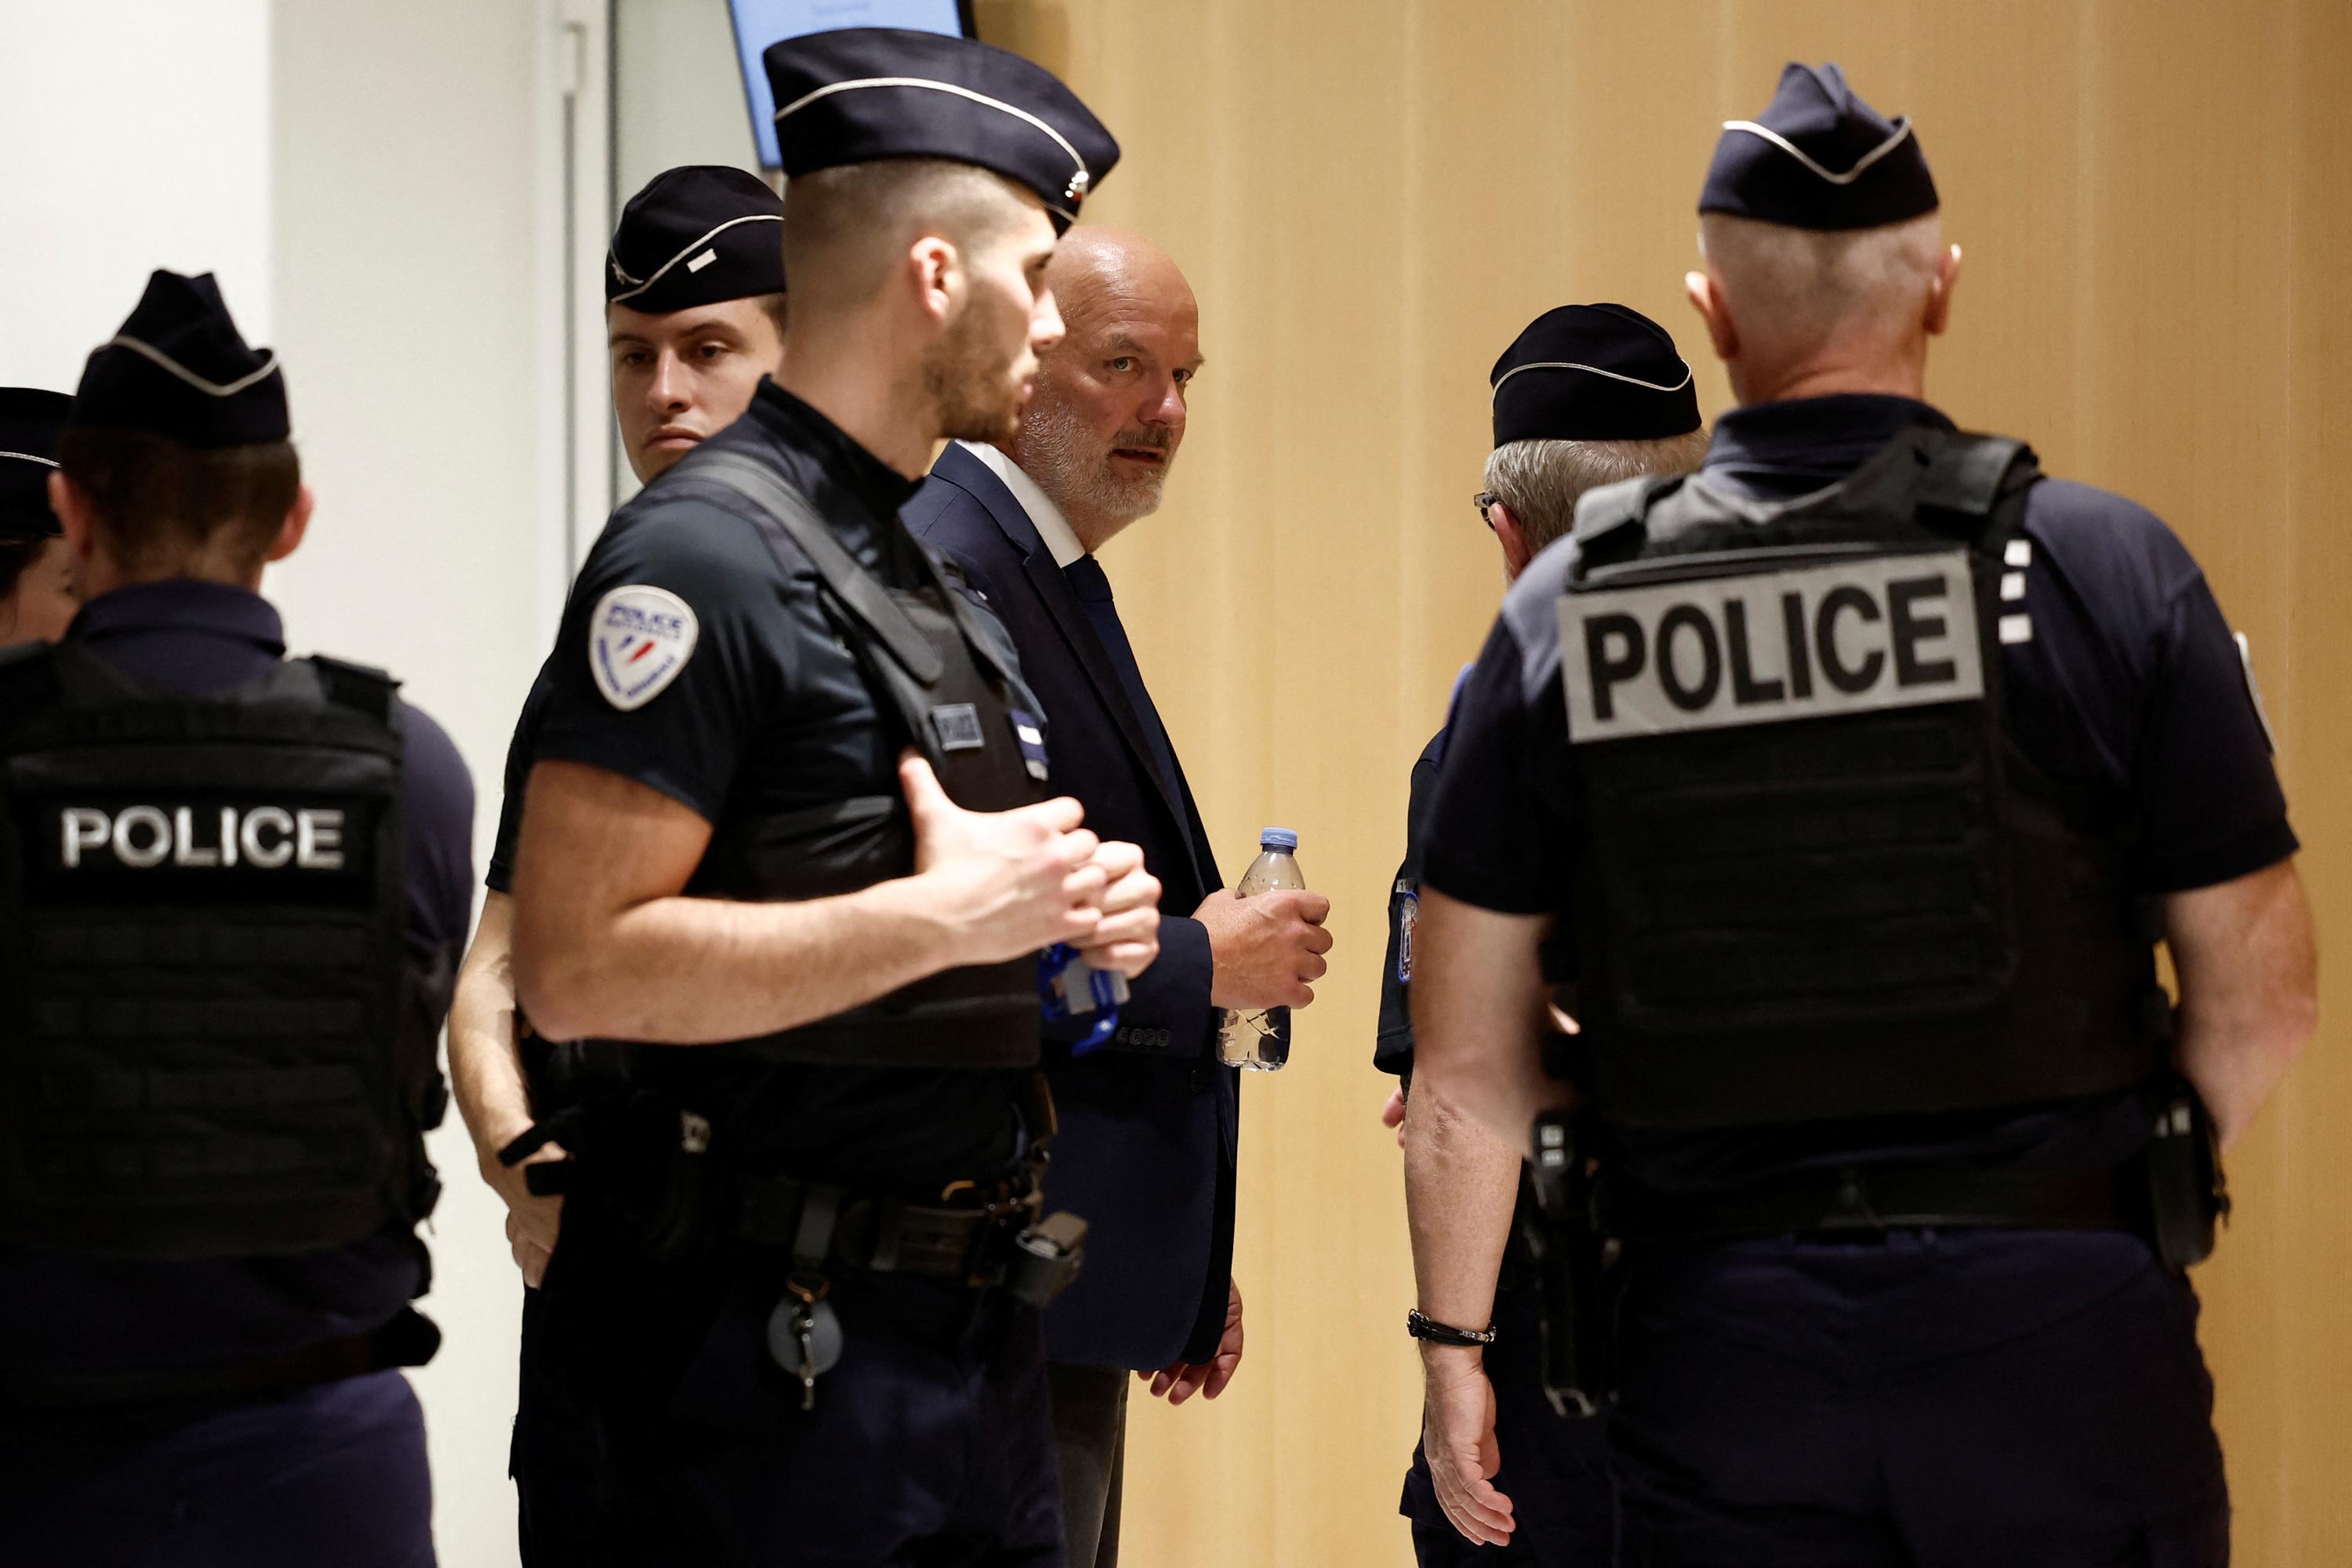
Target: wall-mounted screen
{"type": "Point", "coordinates": [759, 23]}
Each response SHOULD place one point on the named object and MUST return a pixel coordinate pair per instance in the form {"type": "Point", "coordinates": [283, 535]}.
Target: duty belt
{"type": "Point", "coordinates": [980, 1236]}
{"type": "Point", "coordinates": [1855, 1200]}
{"type": "Point", "coordinates": [997, 1240]}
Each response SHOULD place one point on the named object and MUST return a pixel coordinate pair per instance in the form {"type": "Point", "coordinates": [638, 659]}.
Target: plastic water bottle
{"type": "Point", "coordinates": [1260, 1041]}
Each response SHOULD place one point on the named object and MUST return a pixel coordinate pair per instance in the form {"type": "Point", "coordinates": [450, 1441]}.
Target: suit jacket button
{"type": "Point", "coordinates": [1201, 1081]}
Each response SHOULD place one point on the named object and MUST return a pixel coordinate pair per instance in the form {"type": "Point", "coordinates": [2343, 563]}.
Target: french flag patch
{"type": "Point", "coordinates": [639, 637]}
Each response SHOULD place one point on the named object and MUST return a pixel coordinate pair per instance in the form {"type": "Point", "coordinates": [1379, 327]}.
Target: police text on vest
{"type": "Point", "coordinates": [1889, 631]}
{"type": "Point", "coordinates": [266, 837]}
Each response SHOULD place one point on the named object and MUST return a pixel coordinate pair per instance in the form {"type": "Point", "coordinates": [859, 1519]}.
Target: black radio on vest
{"type": "Point", "coordinates": [216, 1043]}
{"type": "Point", "coordinates": [1819, 878]}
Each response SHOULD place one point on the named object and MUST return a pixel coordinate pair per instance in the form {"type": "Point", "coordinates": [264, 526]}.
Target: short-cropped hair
{"type": "Point", "coordinates": [844, 226]}
{"type": "Point", "coordinates": [1798, 289]}
{"type": "Point", "coordinates": [1541, 481]}
{"type": "Point", "coordinates": [157, 504]}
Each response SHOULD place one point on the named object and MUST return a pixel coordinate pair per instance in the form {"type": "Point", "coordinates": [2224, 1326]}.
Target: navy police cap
{"type": "Point", "coordinates": [695, 236]}
{"type": "Point", "coordinates": [860, 94]}
{"type": "Point", "coordinates": [29, 422]}
{"type": "Point", "coordinates": [1820, 158]}
{"type": "Point", "coordinates": [1592, 373]}
{"type": "Point", "coordinates": [179, 368]}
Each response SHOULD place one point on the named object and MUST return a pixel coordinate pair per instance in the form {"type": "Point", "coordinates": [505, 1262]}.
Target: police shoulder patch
{"type": "Point", "coordinates": [639, 638]}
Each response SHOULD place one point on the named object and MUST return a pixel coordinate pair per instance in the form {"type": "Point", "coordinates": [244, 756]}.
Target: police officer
{"type": "Point", "coordinates": [36, 592]}
{"type": "Point", "coordinates": [700, 319]}
{"type": "Point", "coordinates": [800, 1269]}
{"type": "Point", "coordinates": [1851, 781]}
{"type": "Point", "coordinates": [1586, 396]}
{"type": "Point", "coordinates": [694, 309]}
{"type": "Point", "coordinates": [235, 887]}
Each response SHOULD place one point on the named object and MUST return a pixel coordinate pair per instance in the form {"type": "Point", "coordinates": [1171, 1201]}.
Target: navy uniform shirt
{"type": "Point", "coordinates": [67, 1312]}
{"type": "Point", "coordinates": [523, 750]}
{"type": "Point", "coordinates": [2131, 691]}
{"type": "Point", "coordinates": [1393, 1048]}
{"type": "Point", "coordinates": [771, 714]}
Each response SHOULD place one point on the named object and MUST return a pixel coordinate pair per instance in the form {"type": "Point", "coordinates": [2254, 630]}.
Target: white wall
{"type": "Point", "coordinates": [677, 90]}
{"type": "Point", "coordinates": [380, 187]}
{"type": "Point", "coordinates": [138, 133]}
{"type": "Point", "coordinates": [415, 266]}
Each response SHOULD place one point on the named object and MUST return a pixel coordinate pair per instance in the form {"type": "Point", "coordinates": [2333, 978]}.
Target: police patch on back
{"type": "Point", "coordinates": [1889, 631]}
{"type": "Point", "coordinates": [639, 638]}
{"type": "Point", "coordinates": [107, 846]}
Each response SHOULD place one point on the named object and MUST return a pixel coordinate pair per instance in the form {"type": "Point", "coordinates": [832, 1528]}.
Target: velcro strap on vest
{"type": "Point", "coordinates": [1969, 474]}
{"type": "Point", "coordinates": [1982, 481]}
{"type": "Point", "coordinates": [370, 690]}
{"type": "Point", "coordinates": [1605, 510]}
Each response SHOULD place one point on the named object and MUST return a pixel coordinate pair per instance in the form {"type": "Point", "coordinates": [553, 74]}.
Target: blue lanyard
{"type": "Point", "coordinates": [1056, 966]}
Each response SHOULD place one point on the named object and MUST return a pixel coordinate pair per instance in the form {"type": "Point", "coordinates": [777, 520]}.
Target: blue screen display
{"type": "Point", "coordinates": [759, 23]}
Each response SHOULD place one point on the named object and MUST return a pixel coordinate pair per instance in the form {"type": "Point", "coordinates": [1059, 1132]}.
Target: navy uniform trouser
{"type": "Point", "coordinates": [1554, 1470]}
{"type": "Point", "coordinates": [331, 1474]}
{"type": "Point", "coordinates": [677, 1439]}
{"type": "Point", "coordinates": [1928, 1400]}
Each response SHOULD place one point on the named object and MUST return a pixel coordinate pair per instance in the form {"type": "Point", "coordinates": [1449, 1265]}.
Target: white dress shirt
{"type": "Point", "coordinates": [1044, 515]}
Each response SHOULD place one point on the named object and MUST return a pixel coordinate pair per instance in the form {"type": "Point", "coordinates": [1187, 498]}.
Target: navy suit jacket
{"type": "Point", "coordinates": [1149, 1121]}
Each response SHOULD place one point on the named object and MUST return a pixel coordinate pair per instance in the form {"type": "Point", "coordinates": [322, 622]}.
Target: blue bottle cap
{"type": "Point", "coordinates": [1281, 838]}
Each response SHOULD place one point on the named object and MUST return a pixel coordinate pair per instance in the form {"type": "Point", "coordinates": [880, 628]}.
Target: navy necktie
{"type": "Point", "coordinates": [1089, 582]}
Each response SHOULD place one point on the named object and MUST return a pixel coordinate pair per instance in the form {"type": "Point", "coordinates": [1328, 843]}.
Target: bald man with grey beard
{"type": "Point", "coordinates": [1149, 1119]}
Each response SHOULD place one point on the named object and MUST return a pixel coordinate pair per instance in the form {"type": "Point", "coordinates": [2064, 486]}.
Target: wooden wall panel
{"type": "Point", "coordinates": [1371, 196]}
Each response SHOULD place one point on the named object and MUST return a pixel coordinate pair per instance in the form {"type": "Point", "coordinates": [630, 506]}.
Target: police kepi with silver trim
{"type": "Point", "coordinates": [1592, 373]}
{"type": "Point", "coordinates": [179, 368]}
{"type": "Point", "coordinates": [1820, 158]}
{"type": "Point", "coordinates": [859, 95]}
{"type": "Point", "coordinates": [30, 420]}
{"type": "Point", "coordinates": [695, 235]}
{"type": "Point", "coordinates": [1891, 631]}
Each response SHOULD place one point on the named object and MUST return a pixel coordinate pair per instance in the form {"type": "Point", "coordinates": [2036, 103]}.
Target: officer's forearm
{"type": "Point", "coordinates": [605, 945]}
{"type": "Point", "coordinates": [681, 971]}
{"type": "Point", "coordinates": [1461, 1184]}
{"type": "Point", "coordinates": [1479, 1012]}
{"type": "Point", "coordinates": [2244, 955]}
{"type": "Point", "coordinates": [484, 1065]}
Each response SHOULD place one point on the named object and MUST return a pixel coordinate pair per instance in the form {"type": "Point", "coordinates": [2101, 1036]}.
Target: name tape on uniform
{"type": "Point", "coordinates": [1807, 643]}
{"type": "Point", "coordinates": [639, 638]}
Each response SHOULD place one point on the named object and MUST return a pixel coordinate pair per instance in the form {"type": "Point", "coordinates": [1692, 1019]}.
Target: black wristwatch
{"type": "Point", "coordinates": [1421, 1327]}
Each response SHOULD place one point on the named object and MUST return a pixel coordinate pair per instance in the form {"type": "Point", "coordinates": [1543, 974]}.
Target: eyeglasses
{"type": "Point", "coordinates": [1482, 501]}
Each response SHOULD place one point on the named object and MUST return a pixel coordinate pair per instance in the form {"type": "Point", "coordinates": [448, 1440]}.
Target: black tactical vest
{"type": "Point", "coordinates": [214, 1042]}
{"type": "Point", "coordinates": [1817, 878]}
{"type": "Point", "coordinates": [935, 680]}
